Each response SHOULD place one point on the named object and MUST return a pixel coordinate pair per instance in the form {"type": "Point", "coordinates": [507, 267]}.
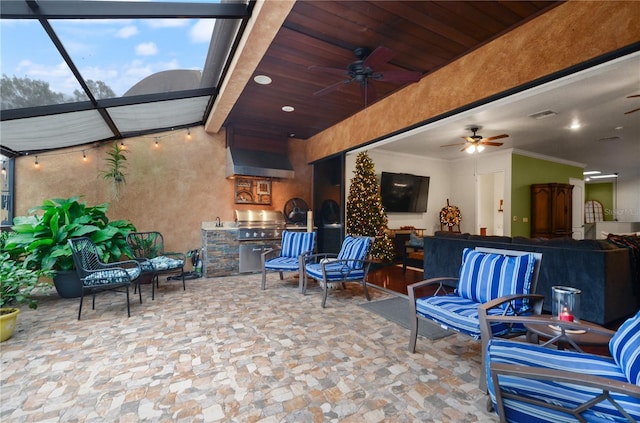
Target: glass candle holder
{"type": "Point", "coordinates": [566, 303]}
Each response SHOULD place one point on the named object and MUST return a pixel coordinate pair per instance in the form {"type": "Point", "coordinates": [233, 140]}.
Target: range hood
{"type": "Point", "coordinates": [266, 164]}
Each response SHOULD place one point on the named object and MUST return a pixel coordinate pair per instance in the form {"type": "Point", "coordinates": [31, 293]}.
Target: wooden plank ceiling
{"type": "Point", "coordinates": [423, 35]}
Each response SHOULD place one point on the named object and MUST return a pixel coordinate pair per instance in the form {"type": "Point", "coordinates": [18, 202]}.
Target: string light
{"type": "Point", "coordinates": [84, 156]}
{"type": "Point", "coordinates": [36, 164]}
{"type": "Point", "coordinates": [157, 145]}
{"type": "Point", "coordinates": [188, 133]}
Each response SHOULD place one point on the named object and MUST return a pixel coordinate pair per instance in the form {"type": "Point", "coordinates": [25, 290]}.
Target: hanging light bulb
{"type": "Point", "coordinates": [480, 148]}
{"type": "Point", "coordinates": [122, 146]}
{"type": "Point", "coordinates": [84, 156]}
{"type": "Point", "coordinates": [157, 145]}
{"type": "Point", "coordinates": [188, 133]}
{"type": "Point", "coordinates": [36, 164]}
{"type": "Point", "coordinates": [471, 149]}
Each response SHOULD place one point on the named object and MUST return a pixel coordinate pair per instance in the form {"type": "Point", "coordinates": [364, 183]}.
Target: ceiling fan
{"type": "Point", "coordinates": [477, 142]}
{"type": "Point", "coordinates": [363, 72]}
{"type": "Point", "coordinates": [634, 110]}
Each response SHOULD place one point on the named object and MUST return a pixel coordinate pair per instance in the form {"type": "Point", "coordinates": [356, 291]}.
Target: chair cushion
{"type": "Point", "coordinates": [486, 276]}
{"type": "Point", "coordinates": [625, 348]}
{"type": "Point", "coordinates": [336, 272]}
{"type": "Point", "coordinates": [457, 313]}
{"type": "Point", "coordinates": [284, 264]}
{"type": "Point", "coordinates": [355, 248]}
{"type": "Point", "coordinates": [520, 353]}
{"type": "Point", "coordinates": [166, 263]}
{"type": "Point", "coordinates": [296, 243]}
{"type": "Point", "coordinates": [114, 276]}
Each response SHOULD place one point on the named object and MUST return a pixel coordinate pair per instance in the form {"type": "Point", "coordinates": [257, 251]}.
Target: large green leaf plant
{"type": "Point", "coordinates": [41, 239]}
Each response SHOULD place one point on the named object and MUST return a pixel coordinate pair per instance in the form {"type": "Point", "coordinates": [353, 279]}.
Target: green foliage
{"type": "Point", "coordinates": [365, 214]}
{"type": "Point", "coordinates": [25, 92]}
{"type": "Point", "coordinates": [116, 158]}
{"type": "Point", "coordinates": [99, 90]}
{"type": "Point", "coordinates": [17, 282]}
{"type": "Point", "coordinates": [41, 240]}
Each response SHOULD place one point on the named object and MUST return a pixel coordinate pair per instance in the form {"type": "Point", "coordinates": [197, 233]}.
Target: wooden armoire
{"type": "Point", "coordinates": [551, 210]}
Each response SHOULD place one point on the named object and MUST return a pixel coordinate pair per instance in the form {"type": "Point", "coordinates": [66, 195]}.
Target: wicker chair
{"type": "Point", "coordinates": [492, 281]}
{"type": "Point", "coordinates": [97, 276]}
{"type": "Point", "coordinates": [289, 257]}
{"type": "Point", "coordinates": [349, 265]}
{"type": "Point", "coordinates": [148, 250]}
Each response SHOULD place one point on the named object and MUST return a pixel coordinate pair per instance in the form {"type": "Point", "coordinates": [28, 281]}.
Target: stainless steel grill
{"type": "Point", "coordinates": [256, 225]}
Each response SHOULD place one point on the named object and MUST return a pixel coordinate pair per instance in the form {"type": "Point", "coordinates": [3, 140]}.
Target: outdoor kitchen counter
{"type": "Point", "coordinates": [220, 249]}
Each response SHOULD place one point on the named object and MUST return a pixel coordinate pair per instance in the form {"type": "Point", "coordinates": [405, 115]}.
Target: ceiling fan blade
{"type": "Point", "coordinates": [378, 57]}
{"type": "Point", "coordinates": [326, 69]}
{"type": "Point", "coordinates": [368, 93]}
{"type": "Point", "coordinates": [451, 145]}
{"type": "Point", "coordinates": [398, 76]}
{"type": "Point", "coordinates": [331, 88]}
{"type": "Point", "coordinates": [495, 144]}
{"type": "Point", "coordinates": [633, 96]}
{"type": "Point", "coordinates": [632, 111]}
{"type": "Point", "coordinates": [497, 137]}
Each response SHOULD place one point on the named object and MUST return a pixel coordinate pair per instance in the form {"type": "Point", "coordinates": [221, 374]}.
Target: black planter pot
{"type": "Point", "coordinates": [67, 283]}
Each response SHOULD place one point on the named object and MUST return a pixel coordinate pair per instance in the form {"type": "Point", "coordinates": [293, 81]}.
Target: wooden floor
{"type": "Point", "coordinates": [392, 278]}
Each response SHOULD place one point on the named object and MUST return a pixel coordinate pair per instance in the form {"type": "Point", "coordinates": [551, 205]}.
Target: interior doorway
{"type": "Point", "coordinates": [577, 208]}
{"type": "Point", "coordinates": [490, 203]}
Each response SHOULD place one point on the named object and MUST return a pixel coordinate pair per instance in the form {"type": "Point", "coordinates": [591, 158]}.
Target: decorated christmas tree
{"type": "Point", "coordinates": [365, 214]}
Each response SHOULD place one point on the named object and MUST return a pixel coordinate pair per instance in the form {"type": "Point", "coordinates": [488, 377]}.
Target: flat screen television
{"type": "Point", "coordinates": [404, 193]}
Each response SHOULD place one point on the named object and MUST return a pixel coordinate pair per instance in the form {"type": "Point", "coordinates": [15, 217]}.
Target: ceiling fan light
{"type": "Point", "coordinates": [471, 149]}
{"type": "Point", "coordinates": [480, 148]}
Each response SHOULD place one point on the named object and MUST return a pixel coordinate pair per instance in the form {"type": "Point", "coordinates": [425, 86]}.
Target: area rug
{"type": "Point", "coordinates": [396, 309]}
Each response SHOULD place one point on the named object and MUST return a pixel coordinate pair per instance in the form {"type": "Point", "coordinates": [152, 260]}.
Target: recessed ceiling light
{"type": "Point", "coordinates": [262, 79]}
{"type": "Point", "coordinates": [543, 114]}
{"type": "Point", "coordinates": [618, 128]}
{"type": "Point", "coordinates": [288, 109]}
{"type": "Point", "coordinates": [575, 125]}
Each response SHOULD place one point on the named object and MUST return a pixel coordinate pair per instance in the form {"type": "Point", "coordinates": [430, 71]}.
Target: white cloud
{"type": "Point", "coordinates": [202, 30]}
{"type": "Point", "coordinates": [127, 31]}
{"type": "Point", "coordinates": [147, 49]}
{"type": "Point", "coordinates": [166, 23]}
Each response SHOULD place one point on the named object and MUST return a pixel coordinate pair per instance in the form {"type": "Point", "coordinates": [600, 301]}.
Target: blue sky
{"type": "Point", "coordinates": [117, 52]}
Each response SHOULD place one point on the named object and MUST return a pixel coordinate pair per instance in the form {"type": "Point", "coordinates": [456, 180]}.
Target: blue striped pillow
{"type": "Point", "coordinates": [296, 243]}
{"type": "Point", "coordinates": [355, 248]}
{"type": "Point", "coordinates": [625, 348]}
{"type": "Point", "coordinates": [486, 276]}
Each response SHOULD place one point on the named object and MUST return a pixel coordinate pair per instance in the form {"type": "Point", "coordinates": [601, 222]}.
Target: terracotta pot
{"type": "Point", "coordinates": [8, 321]}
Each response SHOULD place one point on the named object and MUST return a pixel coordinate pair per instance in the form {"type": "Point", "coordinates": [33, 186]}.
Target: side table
{"type": "Point", "coordinates": [568, 334]}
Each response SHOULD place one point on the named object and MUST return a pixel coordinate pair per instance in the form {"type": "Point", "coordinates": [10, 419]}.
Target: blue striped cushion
{"type": "Point", "coordinates": [284, 264]}
{"type": "Point", "coordinates": [625, 348]}
{"type": "Point", "coordinates": [355, 248]}
{"type": "Point", "coordinates": [296, 243]}
{"type": "Point", "coordinates": [335, 272]}
{"type": "Point", "coordinates": [457, 313]}
{"type": "Point", "coordinates": [519, 353]}
{"type": "Point", "coordinates": [485, 276]}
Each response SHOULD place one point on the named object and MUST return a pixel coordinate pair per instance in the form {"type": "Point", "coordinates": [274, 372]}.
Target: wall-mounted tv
{"type": "Point", "coordinates": [404, 193]}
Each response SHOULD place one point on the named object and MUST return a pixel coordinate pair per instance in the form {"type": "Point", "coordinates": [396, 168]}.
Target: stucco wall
{"type": "Point", "coordinates": [568, 35]}
{"type": "Point", "coordinates": [172, 188]}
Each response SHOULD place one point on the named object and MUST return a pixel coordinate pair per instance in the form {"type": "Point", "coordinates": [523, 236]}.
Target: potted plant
{"type": "Point", "coordinates": [41, 239]}
{"type": "Point", "coordinates": [16, 286]}
{"type": "Point", "coordinates": [115, 168]}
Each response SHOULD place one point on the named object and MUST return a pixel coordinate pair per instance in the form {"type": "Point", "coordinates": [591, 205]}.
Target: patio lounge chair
{"type": "Point", "coordinates": [349, 265]}
{"type": "Point", "coordinates": [491, 281]}
{"type": "Point", "coordinates": [97, 276]}
{"type": "Point", "coordinates": [289, 257]}
{"type": "Point", "coordinates": [148, 250]}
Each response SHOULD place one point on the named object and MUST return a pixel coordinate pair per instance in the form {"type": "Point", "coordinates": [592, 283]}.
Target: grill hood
{"type": "Point", "coordinates": [265, 164]}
